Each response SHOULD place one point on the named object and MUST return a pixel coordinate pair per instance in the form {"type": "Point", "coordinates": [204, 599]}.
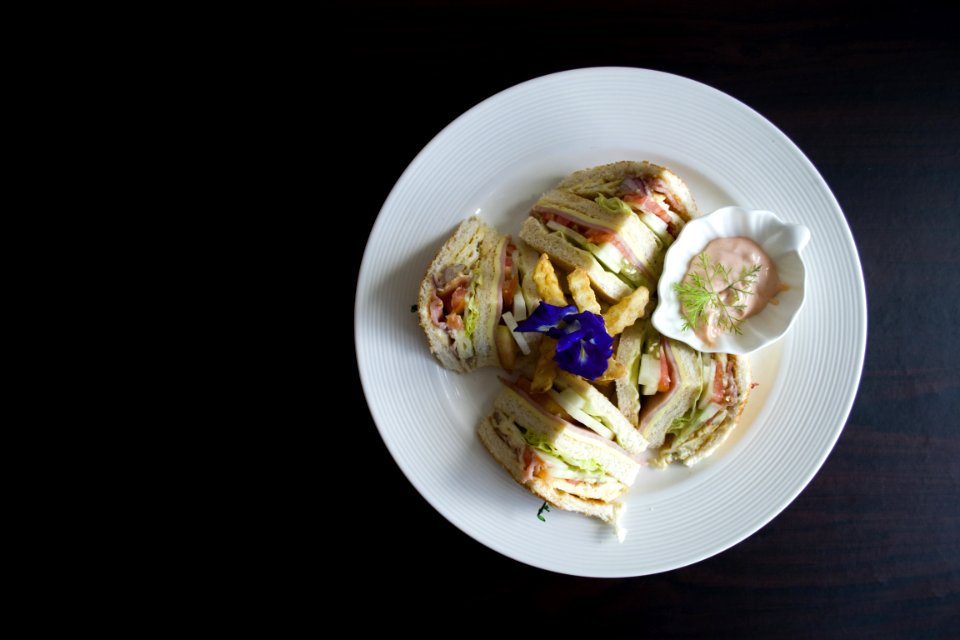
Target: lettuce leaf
{"type": "Point", "coordinates": [588, 467]}
{"type": "Point", "coordinates": [614, 204]}
{"type": "Point", "coordinates": [471, 311]}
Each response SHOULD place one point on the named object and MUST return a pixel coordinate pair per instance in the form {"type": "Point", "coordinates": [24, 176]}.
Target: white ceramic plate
{"type": "Point", "coordinates": [496, 159]}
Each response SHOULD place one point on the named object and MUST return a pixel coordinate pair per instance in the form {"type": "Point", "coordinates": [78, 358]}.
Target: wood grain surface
{"type": "Point", "coordinates": [871, 94]}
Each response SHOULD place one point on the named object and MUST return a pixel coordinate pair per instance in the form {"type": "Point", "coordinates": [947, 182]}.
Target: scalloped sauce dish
{"type": "Point", "coordinates": [744, 307]}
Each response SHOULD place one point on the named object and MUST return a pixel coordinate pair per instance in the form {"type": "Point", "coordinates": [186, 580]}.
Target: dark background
{"type": "Point", "coordinates": [871, 94]}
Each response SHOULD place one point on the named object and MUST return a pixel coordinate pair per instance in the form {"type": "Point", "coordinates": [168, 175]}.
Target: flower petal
{"type": "Point", "coordinates": [545, 317]}
{"type": "Point", "coordinates": [584, 359]}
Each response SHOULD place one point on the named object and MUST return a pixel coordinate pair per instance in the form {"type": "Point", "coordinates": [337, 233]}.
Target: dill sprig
{"type": "Point", "coordinates": [698, 296]}
{"type": "Point", "coordinates": [543, 507]}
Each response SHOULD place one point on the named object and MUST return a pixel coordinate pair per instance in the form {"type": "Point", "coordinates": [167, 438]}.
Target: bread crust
{"type": "Point", "coordinates": [607, 179]}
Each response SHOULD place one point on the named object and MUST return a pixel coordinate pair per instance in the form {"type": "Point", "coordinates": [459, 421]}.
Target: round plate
{"type": "Point", "coordinates": [496, 159]}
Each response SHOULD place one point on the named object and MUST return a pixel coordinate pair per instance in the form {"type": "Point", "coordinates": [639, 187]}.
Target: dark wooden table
{"type": "Point", "coordinates": [872, 96]}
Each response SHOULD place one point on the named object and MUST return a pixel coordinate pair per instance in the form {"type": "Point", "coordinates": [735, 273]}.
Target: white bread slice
{"type": "Point", "coordinates": [569, 257]}
{"type": "Point", "coordinates": [608, 180]}
{"type": "Point", "coordinates": [659, 411]}
{"type": "Point", "coordinates": [489, 297]}
{"type": "Point", "coordinates": [476, 246]}
{"type": "Point", "coordinates": [625, 433]}
{"type": "Point", "coordinates": [628, 353]}
{"type": "Point", "coordinates": [707, 439]}
{"type": "Point", "coordinates": [499, 434]}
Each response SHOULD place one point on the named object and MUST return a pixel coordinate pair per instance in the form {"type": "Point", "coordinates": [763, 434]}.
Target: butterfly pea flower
{"type": "Point", "coordinates": [583, 344]}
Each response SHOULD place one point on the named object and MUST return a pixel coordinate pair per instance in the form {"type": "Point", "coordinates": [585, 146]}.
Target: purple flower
{"type": "Point", "coordinates": [583, 344]}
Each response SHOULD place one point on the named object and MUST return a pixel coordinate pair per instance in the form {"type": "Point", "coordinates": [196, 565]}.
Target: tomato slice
{"type": "Point", "coordinates": [717, 383]}
{"type": "Point", "coordinates": [454, 321]}
{"type": "Point", "coordinates": [596, 236]}
{"type": "Point", "coordinates": [649, 205]}
{"type": "Point", "coordinates": [511, 279]}
{"type": "Point", "coordinates": [509, 289]}
{"type": "Point", "coordinates": [457, 302]}
{"type": "Point", "coordinates": [664, 383]}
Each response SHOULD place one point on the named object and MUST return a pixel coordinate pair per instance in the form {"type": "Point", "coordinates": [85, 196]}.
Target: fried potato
{"type": "Point", "coordinates": [582, 293]}
{"type": "Point", "coordinates": [506, 347]}
{"type": "Point", "coordinates": [548, 287]}
{"type": "Point", "coordinates": [546, 370]}
{"type": "Point", "coordinates": [625, 313]}
{"type": "Point", "coordinates": [614, 370]}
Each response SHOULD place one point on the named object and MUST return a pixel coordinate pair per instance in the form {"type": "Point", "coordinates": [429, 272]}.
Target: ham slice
{"type": "Point", "coordinates": [658, 185]}
{"type": "Point", "coordinates": [436, 310]}
{"type": "Point", "coordinates": [531, 462]}
{"type": "Point", "coordinates": [453, 285]}
{"type": "Point", "coordinates": [579, 226]}
{"type": "Point", "coordinates": [634, 185]}
{"type": "Point", "coordinates": [650, 205]}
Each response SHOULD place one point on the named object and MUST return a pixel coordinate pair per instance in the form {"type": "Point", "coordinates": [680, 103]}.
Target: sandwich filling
{"type": "Point", "coordinates": [604, 242]}
{"type": "Point", "coordinates": [718, 396]}
{"type": "Point", "coordinates": [642, 207]}
{"type": "Point", "coordinates": [453, 306]}
{"type": "Point", "coordinates": [710, 394]}
{"type": "Point", "coordinates": [654, 202]}
{"type": "Point", "coordinates": [455, 302]}
{"type": "Point", "coordinates": [538, 457]}
{"type": "Point", "coordinates": [565, 403]}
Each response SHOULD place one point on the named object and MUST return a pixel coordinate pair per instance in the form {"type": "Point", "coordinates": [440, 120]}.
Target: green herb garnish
{"type": "Point", "coordinates": [698, 296]}
{"type": "Point", "coordinates": [543, 507]}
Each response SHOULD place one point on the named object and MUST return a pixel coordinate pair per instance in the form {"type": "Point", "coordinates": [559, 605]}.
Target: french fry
{"type": "Point", "coordinates": [506, 347]}
{"type": "Point", "coordinates": [582, 293]}
{"type": "Point", "coordinates": [548, 287]}
{"type": "Point", "coordinates": [625, 313]}
{"type": "Point", "coordinates": [546, 369]}
{"type": "Point", "coordinates": [614, 370]}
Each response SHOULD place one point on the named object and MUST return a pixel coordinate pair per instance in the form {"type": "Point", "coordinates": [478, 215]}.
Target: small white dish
{"type": "Point", "coordinates": [781, 241]}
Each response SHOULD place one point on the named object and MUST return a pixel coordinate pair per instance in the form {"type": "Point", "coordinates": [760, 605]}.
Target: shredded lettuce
{"type": "Point", "coordinates": [614, 204]}
{"type": "Point", "coordinates": [682, 424]}
{"type": "Point", "coordinates": [588, 467]}
{"type": "Point", "coordinates": [685, 426]}
{"type": "Point", "coordinates": [471, 311]}
{"type": "Point", "coordinates": [471, 314]}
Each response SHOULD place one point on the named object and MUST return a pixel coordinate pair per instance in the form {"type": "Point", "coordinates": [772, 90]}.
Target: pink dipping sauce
{"type": "Point", "coordinates": [736, 254]}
